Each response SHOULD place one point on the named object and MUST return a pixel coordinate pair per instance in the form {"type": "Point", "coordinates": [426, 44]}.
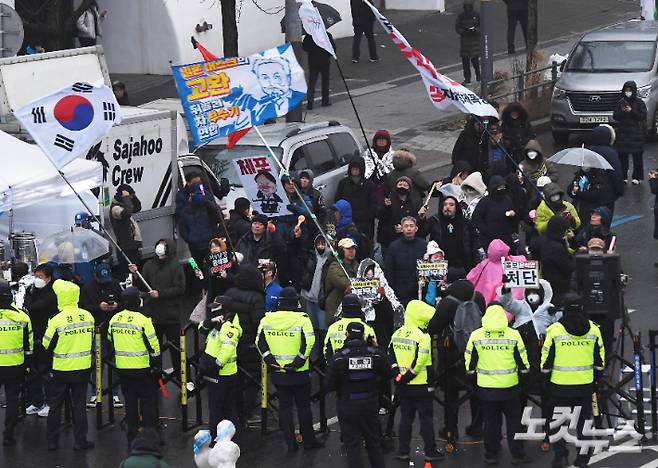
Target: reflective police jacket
{"type": "Point", "coordinates": [335, 337]}
{"type": "Point", "coordinates": [410, 350]}
{"type": "Point", "coordinates": [16, 341]}
{"type": "Point", "coordinates": [69, 334]}
{"type": "Point", "coordinates": [286, 339]}
{"type": "Point", "coordinates": [355, 372]}
{"type": "Point", "coordinates": [496, 352]}
{"type": "Point", "coordinates": [221, 353]}
{"type": "Point", "coordinates": [573, 354]}
{"type": "Point", "coordinates": [133, 339]}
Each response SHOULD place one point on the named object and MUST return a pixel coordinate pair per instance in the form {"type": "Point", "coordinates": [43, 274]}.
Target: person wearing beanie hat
{"type": "Point", "coordinates": [260, 242]}
{"type": "Point", "coordinates": [138, 361]}
{"type": "Point", "coordinates": [239, 222]}
{"type": "Point", "coordinates": [497, 369]}
{"type": "Point", "coordinates": [145, 451]}
{"type": "Point", "coordinates": [398, 204]}
{"type": "Point", "coordinates": [285, 339]}
{"type": "Point", "coordinates": [572, 361]}
{"type": "Point", "coordinates": [355, 372]}
{"type": "Point", "coordinates": [352, 312]}
{"type": "Point", "coordinates": [380, 163]}
{"type": "Point", "coordinates": [360, 193]}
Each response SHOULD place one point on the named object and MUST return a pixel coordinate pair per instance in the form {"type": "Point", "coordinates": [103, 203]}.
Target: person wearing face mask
{"type": "Point", "coordinates": [495, 216]}
{"type": "Point", "coordinates": [404, 164]}
{"type": "Point", "coordinates": [468, 28]}
{"type": "Point", "coordinates": [360, 192]}
{"type": "Point", "coordinates": [517, 129]}
{"type": "Point", "coordinates": [400, 203]}
{"type": "Point", "coordinates": [198, 223]}
{"type": "Point", "coordinates": [311, 280]}
{"type": "Point", "coordinates": [163, 304]}
{"type": "Point", "coordinates": [534, 165]}
{"type": "Point", "coordinates": [631, 115]}
{"type": "Point", "coordinates": [41, 304]}
{"type": "Point", "coordinates": [473, 189]}
{"type": "Point", "coordinates": [555, 204]}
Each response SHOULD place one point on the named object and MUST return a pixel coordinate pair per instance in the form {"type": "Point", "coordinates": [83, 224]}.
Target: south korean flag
{"type": "Point", "coordinates": [67, 123]}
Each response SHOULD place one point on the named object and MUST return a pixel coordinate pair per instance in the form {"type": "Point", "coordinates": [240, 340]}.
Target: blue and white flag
{"type": "Point", "coordinates": [66, 123]}
{"type": "Point", "coordinates": [232, 94]}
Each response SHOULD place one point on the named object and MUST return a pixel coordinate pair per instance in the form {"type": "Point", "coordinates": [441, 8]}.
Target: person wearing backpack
{"type": "Point", "coordinates": [459, 301]}
{"type": "Point", "coordinates": [496, 354]}
{"type": "Point", "coordinates": [410, 353]}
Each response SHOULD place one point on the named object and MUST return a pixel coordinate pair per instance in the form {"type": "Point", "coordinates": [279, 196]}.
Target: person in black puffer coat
{"type": "Point", "coordinates": [239, 221]}
{"type": "Point", "coordinates": [555, 260]}
{"type": "Point", "coordinates": [596, 187]}
{"type": "Point", "coordinates": [631, 113]}
{"type": "Point", "coordinates": [198, 223]}
{"type": "Point", "coordinates": [248, 301]}
{"type": "Point", "coordinates": [360, 192]}
{"type": "Point", "coordinates": [517, 130]}
{"type": "Point", "coordinates": [399, 204]}
{"type": "Point", "coordinates": [401, 261]}
{"type": "Point", "coordinates": [471, 145]}
{"type": "Point", "coordinates": [495, 217]}
{"type": "Point", "coordinates": [449, 357]}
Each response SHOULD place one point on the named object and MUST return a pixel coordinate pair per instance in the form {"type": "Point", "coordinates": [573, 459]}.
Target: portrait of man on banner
{"type": "Point", "coordinates": [262, 184]}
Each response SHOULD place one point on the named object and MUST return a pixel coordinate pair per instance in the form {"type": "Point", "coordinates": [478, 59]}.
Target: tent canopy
{"type": "Point", "coordinates": [28, 177]}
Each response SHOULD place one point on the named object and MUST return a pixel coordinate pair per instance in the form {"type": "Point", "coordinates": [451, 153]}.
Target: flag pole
{"type": "Point", "coordinates": [100, 224]}
{"type": "Point", "coordinates": [285, 172]}
{"type": "Point", "coordinates": [358, 118]}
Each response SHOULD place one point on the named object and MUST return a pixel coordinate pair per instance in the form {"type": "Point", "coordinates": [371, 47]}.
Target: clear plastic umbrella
{"type": "Point", "coordinates": [74, 245]}
{"type": "Point", "coordinates": [581, 157]}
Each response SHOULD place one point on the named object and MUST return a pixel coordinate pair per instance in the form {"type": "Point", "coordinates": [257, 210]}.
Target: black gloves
{"type": "Point", "coordinates": [156, 366]}
{"type": "Point", "coordinates": [298, 362]}
{"type": "Point", "coordinates": [270, 361]}
{"type": "Point", "coordinates": [403, 379]}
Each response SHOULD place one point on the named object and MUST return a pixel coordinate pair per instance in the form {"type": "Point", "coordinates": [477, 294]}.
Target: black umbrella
{"type": "Point", "coordinates": [329, 14]}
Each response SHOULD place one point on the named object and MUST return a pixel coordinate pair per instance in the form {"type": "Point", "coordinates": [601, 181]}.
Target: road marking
{"type": "Point", "coordinates": [374, 88]}
{"type": "Point", "coordinates": [619, 220]}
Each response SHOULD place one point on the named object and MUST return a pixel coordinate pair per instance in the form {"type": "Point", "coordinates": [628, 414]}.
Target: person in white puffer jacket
{"type": "Point", "coordinates": [220, 453]}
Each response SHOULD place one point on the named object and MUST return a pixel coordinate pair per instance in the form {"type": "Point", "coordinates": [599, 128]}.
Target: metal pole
{"type": "Point", "coordinates": [487, 27]}
{"type": "Point", "coordinates": [99, 380]}
{"type": "Point", "coordinates": [263, 398]}
{"type": "Point", "coordinates": [183, 380]}
{"type": "Point", "coordinates": [294, 37]}
{"type": "Point", "coordinates": [652, 380]}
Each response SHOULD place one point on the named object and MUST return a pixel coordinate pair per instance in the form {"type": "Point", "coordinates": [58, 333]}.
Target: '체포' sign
{"type": "Point", "coordinates": [261, 182]}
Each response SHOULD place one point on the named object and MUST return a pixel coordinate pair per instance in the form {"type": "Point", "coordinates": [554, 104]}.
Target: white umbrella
{"type": "Point", "coordinates": [581, 157]}
{"type": "Point", "coordinates": [73, 245]}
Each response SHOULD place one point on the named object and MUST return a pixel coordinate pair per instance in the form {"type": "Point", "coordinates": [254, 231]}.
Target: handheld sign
{"type": "Point", "coordinates": [219, 261]}
{"type": "Point", "coordinates": [366, 290]}
{"type": "Point", "coordinates": [521, 274]}
{"type": "Point", "coordinates": [261, 182]}
{"type": "Point", "coordinates": [432, 271]}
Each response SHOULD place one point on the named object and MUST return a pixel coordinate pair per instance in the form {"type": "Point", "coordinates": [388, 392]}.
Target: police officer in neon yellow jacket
{"type": "Point", "coordinates": [572, 359]}
{"type": "Point", "coordinates": [410, 353]}
{"type": "Point", "coordinates": [219, 362]}
{"type": "Point", "coordinates": [335, 337]}
{"type": "Point", "coordinates": [496, 354]}
{"type": "Point", "coordinates": [138, 361]}
{"type": "Point", "coordinates": [69, 337]}
{"type": "Point", "coordinates": [16, 346]}
{"type": "Point", "coordinates": [285, 339]}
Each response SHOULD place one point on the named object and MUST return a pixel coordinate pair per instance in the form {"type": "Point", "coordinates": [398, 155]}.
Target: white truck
{"type": "Point", "coordinates": [148, 150]}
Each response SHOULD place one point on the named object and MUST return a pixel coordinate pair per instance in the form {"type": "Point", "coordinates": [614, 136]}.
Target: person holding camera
{"type": "Point", "coordinates": [101, 298]}
{"type": "Point", "coordinates": [129, 237]}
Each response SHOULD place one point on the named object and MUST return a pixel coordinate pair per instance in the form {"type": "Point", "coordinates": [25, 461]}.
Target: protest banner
{"type": "Point", "coordinates": [228, 95]}
{"type": "Point", "coordinates": [432, 271]}
{"type": "Point", "coordinates": [366, 289]}
{"type": "Point", "coordinates": [220, 261]}
{"type": "Point", "coordinates": [261, 182]}
{"type": "Point", "coordinates": [521, 274]}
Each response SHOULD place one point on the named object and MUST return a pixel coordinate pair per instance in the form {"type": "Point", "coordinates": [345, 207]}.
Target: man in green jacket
{"type": "Point", "coordinates": [145, 451]}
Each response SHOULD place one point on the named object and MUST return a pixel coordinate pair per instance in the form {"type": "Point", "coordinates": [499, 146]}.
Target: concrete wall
{"type": "Point", "coordinates": [147, 36]}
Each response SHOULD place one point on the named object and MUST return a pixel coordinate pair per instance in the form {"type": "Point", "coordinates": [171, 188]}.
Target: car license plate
{"type": "Point", "coordinates": [596, 119]}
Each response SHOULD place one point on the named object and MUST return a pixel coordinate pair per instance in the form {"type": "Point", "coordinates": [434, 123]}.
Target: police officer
{"type": "Point", "coordinates": [355, 372]}
{"type": "Point", "coordinates": [496, 353]}
{"type": "Point", "coordinates": [138, 361]}
{"type": "Point", "coordinates": [411, 361]}
{"type": "Point", "coordinates": [572, 358]}
{"type": "Point", "coordinates": [69, 337]}
{"type": "Point", "coordinates": [285, 340]}
{"type": "Point", "coordinates": [16, 345]}
{"type": "Point", "coordinates": [351, 313]}
{"type": "Point", "coordinates": [219, 362]}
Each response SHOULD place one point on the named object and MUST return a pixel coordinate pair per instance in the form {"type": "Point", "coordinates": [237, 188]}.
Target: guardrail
{"type": "Point", "coordinates": [518, 83]}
